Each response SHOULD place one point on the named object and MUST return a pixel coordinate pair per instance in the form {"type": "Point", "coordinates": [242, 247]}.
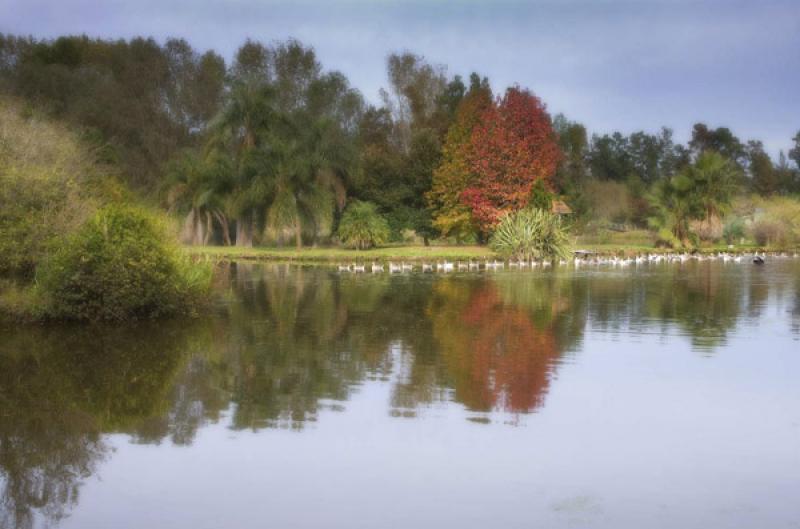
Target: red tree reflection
{"type": "Point", "coordinates": [497, 356]}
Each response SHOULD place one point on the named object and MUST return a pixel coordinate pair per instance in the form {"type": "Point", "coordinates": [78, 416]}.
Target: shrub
{"type": "Point", "coordinates": [530, 234]}
{"type": "Point", "coordinates": [777, 221]}
{"type": "Point", "coordinates": [666, 239]}
{"type": "Point", "coordinates": [608, 201]}
{"type": "Point", "coordinates": [707, 229]}
{"type": "Point", "coordinates": [362, 226]}
{"type": "Point", "coordinates": [120, 265]}
{"type": "Point", "coordinates": [733, 230]}
{"type": "Point", "coordinates": [769, 232]}
{"type": "Point", "coordinates": [50, 183]}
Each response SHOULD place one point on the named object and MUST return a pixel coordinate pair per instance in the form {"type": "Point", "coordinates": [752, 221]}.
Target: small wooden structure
{"type": "Point", "coordinates": [561, 208]}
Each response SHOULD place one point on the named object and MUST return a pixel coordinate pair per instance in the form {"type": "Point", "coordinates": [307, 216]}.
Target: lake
{"type": "Point", "coordinates": [659, 395]}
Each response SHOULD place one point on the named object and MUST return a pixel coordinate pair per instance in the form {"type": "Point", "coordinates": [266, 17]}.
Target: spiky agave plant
{"type": "Point", "coordinates": [530, 234]}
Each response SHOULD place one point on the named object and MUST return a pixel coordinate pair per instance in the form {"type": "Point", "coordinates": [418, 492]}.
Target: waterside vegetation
{"type": "Point", "coordinates": [271, 156]}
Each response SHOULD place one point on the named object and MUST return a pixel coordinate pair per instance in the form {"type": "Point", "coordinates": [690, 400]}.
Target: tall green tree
{"type": "Point", "coordinates": [701, 191]}
{"type": "Point", "coordinates": [763, 177]}
{"type": "Point", "coordinates": [721, 140]}
{"type": "Point", "coordinates": [794, 152]}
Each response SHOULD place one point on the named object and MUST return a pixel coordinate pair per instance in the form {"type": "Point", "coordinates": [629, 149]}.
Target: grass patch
{"type": "Point", "coordinates": [334, 254]}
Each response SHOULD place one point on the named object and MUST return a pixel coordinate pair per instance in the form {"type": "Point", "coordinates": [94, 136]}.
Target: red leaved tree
{"type": "Point", "coordinates": [512, 147]}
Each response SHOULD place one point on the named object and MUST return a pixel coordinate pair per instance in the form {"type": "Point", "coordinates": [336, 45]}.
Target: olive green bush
{"type": "Point", "coordinates": [362, 226]}
{"type": "Point", "coordinates": [121, 264]}
{"type": "Point", "coordinates": [50, 183]}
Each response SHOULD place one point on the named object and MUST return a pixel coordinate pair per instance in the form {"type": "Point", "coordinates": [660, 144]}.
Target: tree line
{"type": "Point", "coordinates": [271, 147]}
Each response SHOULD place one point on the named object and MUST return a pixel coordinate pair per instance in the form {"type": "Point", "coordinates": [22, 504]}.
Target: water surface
{"type": "Point", "coordinates": [666, 395]}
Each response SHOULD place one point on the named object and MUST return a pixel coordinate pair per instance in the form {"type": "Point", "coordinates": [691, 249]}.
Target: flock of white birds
{"type": "Point", "coordinates": [579, 261]}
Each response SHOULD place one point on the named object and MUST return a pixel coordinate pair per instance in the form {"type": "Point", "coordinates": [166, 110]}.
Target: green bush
{"type": "Point", "coordinates": [779, 224]}
{"type": "Point", "coordinates": [541, 197]}
{"type": "Point", "coordinates": [120, 265]}
{"type": "Point", "coordinates": [50, 183]}
{"type": "Point", "coordinates": [362, 226]}
{"type": "Point", "coordinates": [733, 230]}
{"type": "Point", "coordinates": [530, 234]}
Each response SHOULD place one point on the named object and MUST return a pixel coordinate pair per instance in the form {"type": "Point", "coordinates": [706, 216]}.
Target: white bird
{"type": "Point", "coordinates": [427, 267]}
{"type": "Point", "coordinates": [376, 267]}
{"type": "Point", "coordinates": [394, 268]}
{"type": "Point", "coordinates": [474, 265]}
{"type": "Point", "coordinates": [344, 268]}
{"type": "Point", "coordinates": [463, 266]}
{"type": "Point", "coordinates": [407, 267]}
{"type": "Point", "coordinates": [359, 267]}
{"type": "Point", "coordinates": [445, 266]}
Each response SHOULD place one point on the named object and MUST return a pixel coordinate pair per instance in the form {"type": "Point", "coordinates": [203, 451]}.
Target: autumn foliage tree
{"type": "Point", "coordinates": [454, 174]}
{"type": "Point", "coordinates": [511, 148]}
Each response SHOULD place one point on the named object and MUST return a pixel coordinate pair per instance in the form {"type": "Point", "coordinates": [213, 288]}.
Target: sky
{"type": "Point", "coordinates": [611, 64]}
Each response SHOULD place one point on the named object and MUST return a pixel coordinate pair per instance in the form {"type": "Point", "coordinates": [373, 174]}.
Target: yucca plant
{"type": "Point", "coordinates": [362, 226]}
{"type": "Point", "coordinates": [530, 234]}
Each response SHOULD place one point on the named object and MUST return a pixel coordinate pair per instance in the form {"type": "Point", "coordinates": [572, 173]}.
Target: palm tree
{"type": "Point", "coordinates": [701, 191]}
{"type": "Point", "coordinates": [199, 192]}
{"type": "Point", "coordinates": [307, 165]}
{"type": "Point", "coordinates": [714, 181]}
{"type": "Point", "coordinates": [237, 133]}
{"type": "Point", "coordinates": [286, 169]}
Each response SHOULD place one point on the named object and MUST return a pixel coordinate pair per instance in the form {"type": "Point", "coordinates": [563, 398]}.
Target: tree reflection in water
{"type": "Point", "coordinates": [60, 389]}
{"type": "Point", "coordinates": [286, 342]}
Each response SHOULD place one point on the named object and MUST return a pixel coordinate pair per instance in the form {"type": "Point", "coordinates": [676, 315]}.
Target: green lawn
{"type": "Point", "coordinates": [416, 253]}
{"type": "Point", "coordinates": [335, 254]}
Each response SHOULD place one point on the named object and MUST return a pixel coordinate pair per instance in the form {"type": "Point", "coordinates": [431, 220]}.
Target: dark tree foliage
{"type": "Point", "coordinates": [142, 100]}
{"type": "Point", "coordinates": [794, 153]}
{"type": "Point", "coordinates": [720, 140]}
{"type": "Point", "coordinates": [763, 177]}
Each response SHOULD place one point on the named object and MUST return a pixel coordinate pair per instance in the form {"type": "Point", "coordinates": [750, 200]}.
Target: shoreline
{"type": "Point", "coordinates": [417, 254]}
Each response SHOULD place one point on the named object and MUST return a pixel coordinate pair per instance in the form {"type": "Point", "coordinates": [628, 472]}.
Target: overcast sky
{"type": "Point", "coordinates": [611, 64]}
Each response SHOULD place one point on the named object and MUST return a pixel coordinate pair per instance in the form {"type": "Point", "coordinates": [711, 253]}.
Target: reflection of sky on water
{"type": "Point", "coordinates": [633, 435]}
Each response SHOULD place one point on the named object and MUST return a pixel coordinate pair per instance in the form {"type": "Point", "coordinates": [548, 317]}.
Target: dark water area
{"type": "Point", "coordinates": [663, 395]}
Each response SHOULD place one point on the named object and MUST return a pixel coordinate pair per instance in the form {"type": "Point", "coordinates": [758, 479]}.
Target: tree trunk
{"type": "Point", "coordinates": [187, 230]}
{"type": "Point", "coordinates": [244, 231]}
{"type": "Point", "coordinates": [298, 234]}
{"type": "Point", "coordinates": [226, 232]}
{"type": "Point", "coordinates": [209, 229]}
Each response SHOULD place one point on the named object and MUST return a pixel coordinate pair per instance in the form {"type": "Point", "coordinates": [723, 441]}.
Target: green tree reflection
{"type": "Point", "coordinates": [60, 388]}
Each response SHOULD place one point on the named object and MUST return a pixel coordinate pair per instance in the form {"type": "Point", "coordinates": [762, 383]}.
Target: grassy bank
{"type": "Point", "coordinates": [419, 253]}
{"type": "Point", "coordinates": [334, 254]}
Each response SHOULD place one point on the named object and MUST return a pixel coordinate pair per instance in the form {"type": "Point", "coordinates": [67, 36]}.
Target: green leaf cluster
{"type": "Point", "coordinates": [362, 226]}
{"type": "Point", "coordinates": [530, 234]}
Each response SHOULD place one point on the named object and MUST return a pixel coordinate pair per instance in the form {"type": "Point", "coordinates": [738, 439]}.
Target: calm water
{"type": "Point", "coordinates": [667, 396]}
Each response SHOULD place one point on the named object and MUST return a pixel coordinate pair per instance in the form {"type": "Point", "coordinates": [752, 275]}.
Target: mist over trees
{"type": "Point", "coordinates": [269, 147]}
